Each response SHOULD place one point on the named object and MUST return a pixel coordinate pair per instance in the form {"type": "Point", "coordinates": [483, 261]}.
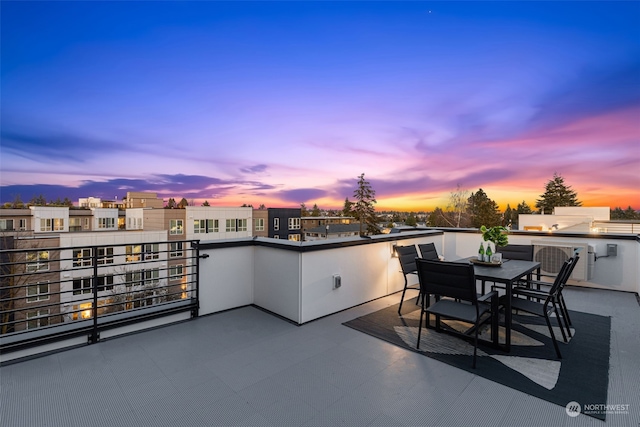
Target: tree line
{"type": "Point", "coordinates": [463, 210]}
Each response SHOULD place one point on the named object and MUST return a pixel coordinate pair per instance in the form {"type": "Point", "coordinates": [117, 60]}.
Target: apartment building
{"type": "Point", "coordinates": [260, 223]}
{"type": "Point", "coordinates": [285, 223]}
{"type": "Point", "coordinates": [309, 222]}
{"type": "Point", "coordinates": [213, 222]}
{"type": "Point", "coordinates": [139, 199]}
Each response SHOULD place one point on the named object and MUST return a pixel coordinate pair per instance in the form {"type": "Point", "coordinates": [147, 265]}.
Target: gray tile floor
{"type": "Point", "coordinates": [246, 367]}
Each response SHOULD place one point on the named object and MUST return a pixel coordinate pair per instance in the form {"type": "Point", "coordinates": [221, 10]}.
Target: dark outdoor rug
{"type": "Point", "coordinates": [582, 375]}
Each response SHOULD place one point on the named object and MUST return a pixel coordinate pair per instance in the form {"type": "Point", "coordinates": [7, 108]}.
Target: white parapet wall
{"type": "Point", "coordinates": [296, 279]}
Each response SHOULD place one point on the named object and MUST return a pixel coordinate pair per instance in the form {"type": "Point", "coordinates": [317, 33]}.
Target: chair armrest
{"type": "Point", "coordinates": [537, 283]}
{"type": "Point", "coordinates": [488, 297]}
{"type": "Point", "coordinates": [530, 292]}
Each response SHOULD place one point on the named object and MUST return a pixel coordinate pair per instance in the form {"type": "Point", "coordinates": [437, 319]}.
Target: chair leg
{"type": "Point", "coordinates": [565, 316]}
{"type": "Point", "coordinates": [565, 309]}
{"type": "Point", "coordinates": [420, 324]}
{"type": "Point", "coordinates": [475, 345]}
{"type": "Point", "coordinates": [555, 310]}
{"type": "Point", "coordinates": [403, 292]}
{"type": "Point", "coordinates": [553, 336]}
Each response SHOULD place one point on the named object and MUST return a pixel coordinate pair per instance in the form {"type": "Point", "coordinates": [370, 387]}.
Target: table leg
{"type": "Point", "coordinates": [508, 318]}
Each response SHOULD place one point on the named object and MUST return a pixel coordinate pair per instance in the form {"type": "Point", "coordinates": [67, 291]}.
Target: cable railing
{"type": "Point", "coordinates": [52, 293]}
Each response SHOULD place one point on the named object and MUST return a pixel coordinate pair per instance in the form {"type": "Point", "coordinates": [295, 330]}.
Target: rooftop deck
{"type": "Point", "coordinates": [247, 367]}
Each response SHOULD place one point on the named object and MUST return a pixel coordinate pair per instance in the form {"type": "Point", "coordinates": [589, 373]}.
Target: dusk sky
{"type": "Point", "coordinates": [282, 103]}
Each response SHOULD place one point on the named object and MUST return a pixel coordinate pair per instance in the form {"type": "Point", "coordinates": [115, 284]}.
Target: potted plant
{"type": "Point", "coordinates": [497, 235]}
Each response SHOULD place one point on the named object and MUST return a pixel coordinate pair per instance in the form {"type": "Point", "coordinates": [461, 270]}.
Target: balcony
{"type": "Point", "coordinates": [239, 364]}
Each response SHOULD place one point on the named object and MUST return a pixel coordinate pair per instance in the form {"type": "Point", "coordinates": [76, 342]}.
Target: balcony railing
{"type": "Point", "coordinates": [53, 293]}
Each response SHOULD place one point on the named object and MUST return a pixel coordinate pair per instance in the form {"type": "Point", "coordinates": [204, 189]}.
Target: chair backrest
{"type": "Point", "coordinates": [561, 278]}
{"type": "Point", "coordinates": [448, 279]}
{"type": "Point", "coordinates": [428, 251]}
{"type": "Point", "coordinates": [407, 256]}
{"type": "Point", "coordinates": [522, 252]}
{"type": "Point", "coordinates": [567, 274]}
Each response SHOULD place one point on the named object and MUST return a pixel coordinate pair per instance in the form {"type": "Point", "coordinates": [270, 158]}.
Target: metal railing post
{"type": "Point", "coordinates": [95, 334]}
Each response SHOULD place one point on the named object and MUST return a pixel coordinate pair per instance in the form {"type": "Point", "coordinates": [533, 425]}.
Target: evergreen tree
{"type": "Point", "coordinates": [483, 210]}
{"type": "Point", "coordinates": [67, 202]}
{"type": "Point", "coordinates": [315, 211]}
{"type": "Point", "coordinates": [183, 203]}
{"type": "Point", "coordinates": [347, 210]}
{"type": "Point", "coordinates": [206, 203]}
{"type": "Point", "coordinates": [523, 208]}
{"type": "Point", "coordinates": [262, 206]}
{"type": "Point", "coordinates": [439, 218]}
{"type": "Point", "coordinates": [303, 210]}
{"type": "Point", "coordinates": [557, 193]}
{"type": "Point", "coordinates": [629, 213]}
{"type": "Point", "coordinates": [510, 217]}
{"type": "Point", "coordinates": [363, 208]}
{"type": "Point", "coordinates": [17, 202]}
{"type": "Point", "coordinates": [171, 204]}
{"type": "Point", "coordinates": [38, 201]}
{"type": "Point", "coordinates": [616, 213]}
{"type": "Point", "coordinates": [411, 220]}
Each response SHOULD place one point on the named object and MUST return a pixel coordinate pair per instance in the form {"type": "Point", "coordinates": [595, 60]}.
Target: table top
{"type": "Point", "coordinates": [510, 270]}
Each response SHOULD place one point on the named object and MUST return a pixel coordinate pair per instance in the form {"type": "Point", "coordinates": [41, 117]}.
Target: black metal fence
{"type": "Point", "coordinates": [50, 293]}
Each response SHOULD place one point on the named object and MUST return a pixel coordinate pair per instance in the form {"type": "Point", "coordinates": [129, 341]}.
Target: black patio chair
{"type": "Point", "coordinates": [519, 252]}
{"type": "Point", "coordinates": [522, 252]}
{"type": "Point", "coordinates": [407, 256]}
{"type": "Point", "coordinates": [457, 283]}
{"type": "Point", "coordinates": [542, 289]}
{"type": "Point", "coordinates": [428, 251]}
{"type": "Point", "coordinates": [549, 306]}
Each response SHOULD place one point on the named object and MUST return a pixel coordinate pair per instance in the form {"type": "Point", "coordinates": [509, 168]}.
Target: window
{"type": "Point", "coordinates": [86, 223]}
{"type": "Point", "coordinates": [105, 283]}
{"type": "Point", "coordinates": [151, 251]}
{"type": "Point", "coordinates": [37, 261]}
{"type": "Point", "coordinates": [295, 237]}
{"type": "Point", "coordinates": [152, 277]}
{"type": "Point", "coordinates": [276, 237]}
{"type": "Point", "coordinates": [85, 312]}
{"type": "Point", "coordinates": [276, 224]}
{"type": "Point", "coordinates": [38, 292]}
{"type": "Point", "coordinates": [75, 224]}
{"type": "Point", "coordinates": [106, 222]}
{"type": "Point", "coordinates": [82, 257]}
{"type": "Point", "coordinates": [216, 225]}
{"type": "Point", "coordinates": [204, 226]}
{"type": "Point", "coordinates": [199, 226]}
{"type": "Point", "coordinates": [6, 224]}
{"type": "Point", "coordinates": [294, 223]}
{"type": "Point", "coordinates": [133, 252]}
{"type": "Point", "coordinates": [176, 249]}
{"type": "Point", "coordinates": [176, 272]}
{"type": "Point", "coordinates": [37, 319]}
{"type": "Point", "coordinates": [105, 255]}
{"type": "Point", "coordinates": [242, 224]}
{"type": "Point", "coordinates": [259, 224]}
{"type": "Point", "coordinates": [230, 225]}
{"type": "Point", "coordinates": [175, 226]}
{"type": "Point", "coordinates": [134, 278]}
{"type": "Point", "coordinates": [51, 224]}
{"type": "Point", "coordinates": [23, 224]}
{"type": "Point", "coordinates": [82, 286]}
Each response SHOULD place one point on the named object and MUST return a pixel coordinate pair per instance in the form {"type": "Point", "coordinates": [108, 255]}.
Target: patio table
{"type": "Point", "coordinates": [509, 273]}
